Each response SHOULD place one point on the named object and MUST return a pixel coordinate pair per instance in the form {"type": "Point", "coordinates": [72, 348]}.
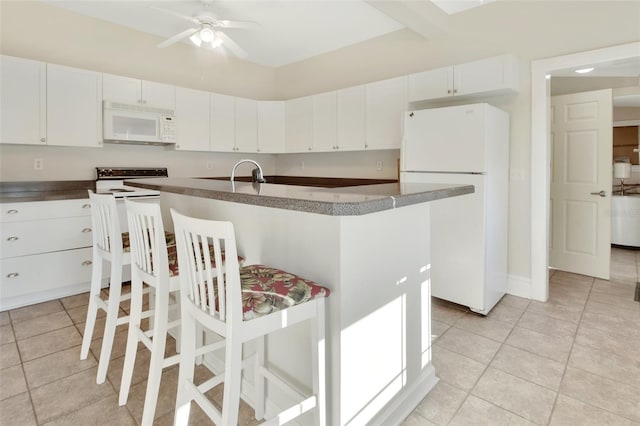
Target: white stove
{"type": "Point", "coordinates": [110, 180]}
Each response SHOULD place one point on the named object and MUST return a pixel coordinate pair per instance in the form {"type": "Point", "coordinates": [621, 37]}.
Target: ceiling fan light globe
{"type": "Point", "coordinates": [216, 42]}
{"type": "Point", "coordinates": [207, 35]}
{"type": "Point", "coordinates": [195, 39]}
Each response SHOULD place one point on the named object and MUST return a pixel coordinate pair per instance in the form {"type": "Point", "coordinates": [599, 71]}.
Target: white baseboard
{"type": "Point", "coordinates": [398, 410]}
{"type": "Point", "coordinates": [42, 296]}
{"type": "Point", "coordinates": [519, 286]}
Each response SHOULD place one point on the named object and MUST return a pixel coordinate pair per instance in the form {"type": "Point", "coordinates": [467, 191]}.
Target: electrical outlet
{"type": "Point", "coordinates": [38, 164]}
{"type": "Point", "coordinates": [379, 165]}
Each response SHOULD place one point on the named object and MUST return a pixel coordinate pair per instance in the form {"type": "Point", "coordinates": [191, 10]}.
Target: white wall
{"type": "Point", "coordinates": [70, 163]}
{"type": "Point", "coordinates": [529, 29]}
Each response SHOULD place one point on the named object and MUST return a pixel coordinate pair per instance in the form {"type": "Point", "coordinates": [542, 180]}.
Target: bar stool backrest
{"type": "Point", "coordinates": [106, 232]}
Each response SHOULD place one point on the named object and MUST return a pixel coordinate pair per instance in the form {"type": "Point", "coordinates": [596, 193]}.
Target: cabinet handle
{"type": "Point", "coordinates": [12, 239]}
{"type": "Point", "coordinates": [86, 206]}
{"type": "Point", "coordinates": [12, 211]}
{"type": "Point", "coordinates": [366, 146]}
{"type": "Point", "coordinates": [449, 91]}
{"type": "Point", "coordinates": [85, 230]}
{"type": "Point", "coordinates": [13, 275]}
{"type": "Point", "coordinates": [43, 139]}
{"type": "Point", "coordinates": [455, 90]}
{"type": "Point", "coordinates": [309, 148]}
{"type": "Point", "coordinates": [258, 149]}
{"type": "Point", "coordinates": [87, 263]}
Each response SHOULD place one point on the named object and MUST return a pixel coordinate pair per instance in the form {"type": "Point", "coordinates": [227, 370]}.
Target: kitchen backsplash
{"type": "Point", "coordinates": [68, 163]}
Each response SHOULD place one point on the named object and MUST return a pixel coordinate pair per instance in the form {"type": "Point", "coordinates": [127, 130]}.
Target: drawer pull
{"type": "Point", "coordinates": [87, 263]}
{"type": "Point", "coordinates": [12, 211]}
{"type": "Point", "coordinates": [12, 239]}
{"type": "Point", "coordinates": [85, 230]}
{"type": "Point", "coordinates": [86, 206]}
{"type": "Point", "coordinates": [12, 275]}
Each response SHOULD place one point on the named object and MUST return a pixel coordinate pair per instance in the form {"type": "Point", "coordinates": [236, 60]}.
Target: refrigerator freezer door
{"type": "Point", "coordinates": [468, 261]}
{"type": "Point", "coordinates": [448, 139]}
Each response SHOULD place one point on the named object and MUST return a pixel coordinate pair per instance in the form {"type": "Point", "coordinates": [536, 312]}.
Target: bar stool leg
{"type": "Point", "coordinates": [318, 347]}
{"type": "Point", "coordinates": [135, 318]}
{"type": "Point", "coordinates": [111, 323]}
{"type": "Point", "coordinates": [258, 399]}
{"type": "Point", "coordinates": [186, 369]}
{"type": "Point", "coordinates": [157, 356]}
{"type": "Point", "coordinates": [92, 311]}
{"type": "Point", "coordinates": [232, 381]}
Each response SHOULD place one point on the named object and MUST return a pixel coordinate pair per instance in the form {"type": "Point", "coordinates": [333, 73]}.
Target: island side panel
{"type": "Point", "coordinates": [385, 317]}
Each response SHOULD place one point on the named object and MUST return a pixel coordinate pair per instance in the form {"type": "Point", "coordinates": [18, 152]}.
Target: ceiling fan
{"type": "Point", "coordinates": [207, 30]}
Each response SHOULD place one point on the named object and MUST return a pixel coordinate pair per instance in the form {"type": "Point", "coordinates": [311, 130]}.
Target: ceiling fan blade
{"type": "Point", "coordinates": [178, 37]}
{"type": "Point", "coordinates": [176, 14]}
{"type": "Point", "coordinates": [224, 23]}
{"type": "Point", "coordinates": [232, 45]}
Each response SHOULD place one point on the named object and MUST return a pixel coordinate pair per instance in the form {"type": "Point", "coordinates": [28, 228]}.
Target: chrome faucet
{"type": "Point", "coordinates": [256, 174]}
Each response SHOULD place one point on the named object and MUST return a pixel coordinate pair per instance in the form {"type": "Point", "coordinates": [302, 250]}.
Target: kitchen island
{"type": "Point", "coordinates": [370, 245]}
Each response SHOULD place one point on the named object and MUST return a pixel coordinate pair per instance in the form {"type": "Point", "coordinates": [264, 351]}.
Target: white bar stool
{"type": "Point", "coordinates": [108, 246]}
{"type": "Point", "coordinates": [153, 264]}
{"type": "Point", "coordinates": [240, 304]}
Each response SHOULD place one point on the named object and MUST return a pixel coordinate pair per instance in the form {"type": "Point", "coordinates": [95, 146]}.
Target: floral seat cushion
{"type": "Point", "coordinates": [170, 237]}
{"type": "Point", "coordinates": [266, 290]}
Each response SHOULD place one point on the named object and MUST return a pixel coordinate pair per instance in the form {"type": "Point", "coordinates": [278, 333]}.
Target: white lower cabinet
{"type": "Point", "coordinates": [45, 252]}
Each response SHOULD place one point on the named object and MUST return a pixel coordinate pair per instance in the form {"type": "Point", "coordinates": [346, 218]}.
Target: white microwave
{"type": "Point", "coordinates": [126, 123]}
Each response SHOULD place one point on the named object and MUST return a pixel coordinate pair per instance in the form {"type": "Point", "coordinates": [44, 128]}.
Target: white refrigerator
{"type": "Point", "coordinates": [467, 144]}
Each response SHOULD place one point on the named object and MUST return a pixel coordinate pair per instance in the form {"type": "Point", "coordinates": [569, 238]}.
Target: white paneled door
{"type": "Point", "coordinates": [581, 146]}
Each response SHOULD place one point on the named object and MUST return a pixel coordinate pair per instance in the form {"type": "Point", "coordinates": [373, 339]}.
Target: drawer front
{"type": "Point", "coordinates": [34, 210]}
{"type": "Point", "coordinates": [43, 236]}
{"type": "Point", "coordinates": [43, 272]}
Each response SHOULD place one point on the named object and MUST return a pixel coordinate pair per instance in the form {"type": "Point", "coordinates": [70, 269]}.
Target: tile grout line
{"type": "Point", "coordinates": [469, 392]}
{"type": "Point", "coordinates": [573, 340]}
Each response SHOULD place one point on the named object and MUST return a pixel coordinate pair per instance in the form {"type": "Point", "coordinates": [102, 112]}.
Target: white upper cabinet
{"type": "Point", "coordinates": [491, 76]}
{"type": "Point", "coordinates": [386, 101]}
{"type": "Point", "coordinates": [192, 116]}
{"type": "Point", "coordinates": [352, 118]}
{"type": "Point", "coordinates": [299, 124]}
{"type": "Point", "coordinates": [134, 91]}
{"type": "Point", "coordinates": [271, 133]}
{"type": "Point", "coordinates": [325, 122]}
{"type": "Point", "coordinates": [246, 125]}
{"type": "Point", "coordinates": [23, 118]}
{"type": "Point", "coordinates": [431, 84]}
{"type": "Point", "coordinates": [223, 123]}
{"type": "Point", "coordinates": [74, 106]}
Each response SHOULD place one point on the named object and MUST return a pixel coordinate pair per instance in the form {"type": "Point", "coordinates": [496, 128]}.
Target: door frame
{"type": "Point", "coordinates": [540, 151]}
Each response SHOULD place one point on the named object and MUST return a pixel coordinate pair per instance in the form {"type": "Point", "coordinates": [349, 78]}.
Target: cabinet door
{"type": "Point", "coordinates": [23, 101]}
{"type": "Point", "coordinates": [192, 115]}
{"type": "Point", "coordinates": [74, 107]}
{"type": "Point", "coordinates": [325, 122]}
{"type": "Point", "coordinates": [299, 124]}
{"type": "Point", "coordinates": [386, 102]}
{"type": "Point", "coordinates": [271, 126]}
{"type": "Point", "coordinates": [223, 122]}
{"type": "Point", "coordinates": [432, 84]}
{"type": "Point", "coordinates": [120, 89]}
{"type": "Point", "coordinates": [487, 75]}
{"type": "Point", "coordinates": [246, 125]}
{"type": "Point", "coordinates": [158, 95]}
{"type": "Point", "coordinates": [351, 118]}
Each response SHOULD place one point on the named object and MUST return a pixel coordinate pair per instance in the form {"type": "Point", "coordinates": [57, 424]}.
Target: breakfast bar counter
{"type": "Point", "coordinates": [371, 246]}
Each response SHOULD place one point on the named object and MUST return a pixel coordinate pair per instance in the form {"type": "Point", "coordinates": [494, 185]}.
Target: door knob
{"type": "Point", "coordinates": [601, 193]}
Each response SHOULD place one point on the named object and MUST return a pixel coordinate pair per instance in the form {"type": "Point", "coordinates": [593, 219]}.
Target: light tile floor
{"type": "Point", "coordinates": [572, 361]}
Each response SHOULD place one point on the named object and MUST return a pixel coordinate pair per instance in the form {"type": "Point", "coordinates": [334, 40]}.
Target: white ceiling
{"type": "Point", "coordinates": [289, 31]}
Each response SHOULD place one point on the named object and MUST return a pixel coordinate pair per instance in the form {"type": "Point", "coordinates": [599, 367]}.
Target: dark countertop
{"type": "Point", "coordinates": [348, 201]}
{"type": "Point", "coordinates": [18, 192]}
